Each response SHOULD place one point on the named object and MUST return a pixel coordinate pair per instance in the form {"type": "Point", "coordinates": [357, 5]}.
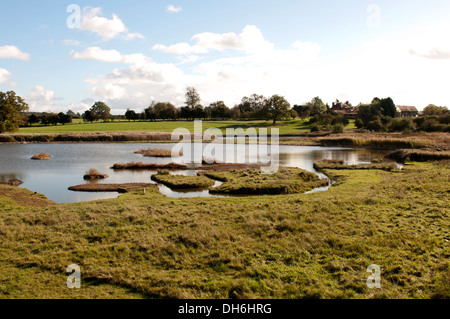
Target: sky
{"type": "Point", "coordinates": [62, 55]}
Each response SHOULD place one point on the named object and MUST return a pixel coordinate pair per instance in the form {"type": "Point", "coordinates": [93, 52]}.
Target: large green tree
{"type": "Point", "coordinates": [388, 107]}
{"type": "Point", "coordinates": [277, 107]}
{"type": "Point", "coordinates": [11, 108]}
{"type": "Point", "coordinates": [317, 106]}
{"type": "Point", "coordinates": [101, 111]}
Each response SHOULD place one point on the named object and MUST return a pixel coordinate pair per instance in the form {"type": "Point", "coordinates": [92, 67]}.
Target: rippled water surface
{"type": "Point", "coordinates": [70, 162]}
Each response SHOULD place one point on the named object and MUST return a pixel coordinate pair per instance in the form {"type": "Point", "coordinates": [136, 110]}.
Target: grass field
{"type": "Point", "coordinates": [286, 127]}
{"type": "Point", "coordinates": [145, 245]}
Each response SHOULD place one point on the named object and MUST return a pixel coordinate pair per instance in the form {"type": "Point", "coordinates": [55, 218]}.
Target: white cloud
{"type": "Point", "coordinates": [104, 27]}
{"type": "Point", "coordinates": [5, 75]}
{"type": "Point", "coordinates": [250, 40]}
{"type": "Point", "coordinates": [381, 67]}
{"type": "Point", "coordinates": [172, 9]}
{"type": "Point", "coordinates": [96, 53]}
{"type": "Point", "coordinates": [13, 52]}
{"type": "Point", "coordinates": [41, 100]}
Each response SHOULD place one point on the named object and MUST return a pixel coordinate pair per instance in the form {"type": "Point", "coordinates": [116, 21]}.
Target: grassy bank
{"type": "Point", "coordinates": [252, 182]}
{"type": "Point", "coordinates": [290, 246]}
{"type": "Point", "coordinates": [182, 182]}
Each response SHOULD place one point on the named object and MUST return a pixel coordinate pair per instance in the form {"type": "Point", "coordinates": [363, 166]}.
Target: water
{"type": "Point", "coordinates": [71, 161]}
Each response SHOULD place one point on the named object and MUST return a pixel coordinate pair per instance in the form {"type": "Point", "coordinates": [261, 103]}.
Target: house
{"type": "Point", "coordinates": [346, 109]}
{"type": "Point", "coordinates": [407, 111]}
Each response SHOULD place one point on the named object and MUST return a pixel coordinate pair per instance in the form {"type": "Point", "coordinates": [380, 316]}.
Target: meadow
{"type": "Point", "coordinates": [286, 127]}
{"type": "Point", "coordinates": [318, 245]}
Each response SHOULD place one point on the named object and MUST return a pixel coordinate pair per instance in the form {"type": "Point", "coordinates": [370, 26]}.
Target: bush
{"type": "Point", "coordinates": [316, 128]}
{"type": "Point", "coordinates": [338, 128]}
{"type": "Point", "coordinates": [375, 125]}
{"type": "Point", "coordinates": [402, 125]}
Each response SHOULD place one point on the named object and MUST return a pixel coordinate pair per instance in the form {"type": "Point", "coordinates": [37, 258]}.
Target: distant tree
{"type": "Point", "coordinates": [64, 118]}
{"type": "Point", "coordinates": [303, 111]}
{"type": "Point", "coordinates": [277, 107]}
{"type": "Point", "coordinates": [317, 106]}
{"type": "Point", "coordinates": [219, 110]}
{"type": "Point", "coordinates": [53, 119]}
{"type": "Point", "coordinates": [11, 108]}
{"type": "Point", "coordinates": [166, 111]}
{"type": "Point", "coordinates": [432, 109]}
{"type": "Point", "coordinates": [101, 111]}
{"type": "Point", "coordinates": [89, 116]}
{"type": "Point", "coordinates": [131, 115]}
{"type": "Point", "coordinates": [252, 106]}
{"type": "Point", "coordinates": [388, 107]}
{"type": "Point", "coordinates": [367, 113]}
{"type": "Point", "coordinates": [192, 98]}
{"type": "Point", "coordinates": [33, 119]}
{"type": "Point", "coordinates": [73, 115]}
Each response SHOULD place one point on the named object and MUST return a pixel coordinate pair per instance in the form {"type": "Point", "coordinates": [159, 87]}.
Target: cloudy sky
{"type": "Point", "coordinates": [62, 55]}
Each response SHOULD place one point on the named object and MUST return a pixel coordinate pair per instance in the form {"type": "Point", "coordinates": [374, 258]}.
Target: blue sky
{"type": "Point", "coordinates": [129, 53]}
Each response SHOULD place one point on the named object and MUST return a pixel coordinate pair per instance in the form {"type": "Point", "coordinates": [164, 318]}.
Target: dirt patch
{"type": "Point", "coordinates": [25, 197]}
{"type": "Point", "coordinates": [120, 188]}
{"type": "Point", "coordinates": [13, 182]}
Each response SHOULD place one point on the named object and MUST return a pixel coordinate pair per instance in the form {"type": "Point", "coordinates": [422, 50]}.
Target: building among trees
{"type": "Point", "coordinates": [407, 111]}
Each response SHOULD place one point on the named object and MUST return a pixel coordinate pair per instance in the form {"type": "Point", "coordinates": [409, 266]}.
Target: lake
{"type": "Point", "coordinates": [71, 161]}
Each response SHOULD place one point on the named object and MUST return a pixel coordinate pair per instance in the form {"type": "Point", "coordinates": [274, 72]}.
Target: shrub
{"type": "Point", "coordinates": [94, 174]}
{"type": "Point", "coordinates": [338, 128]}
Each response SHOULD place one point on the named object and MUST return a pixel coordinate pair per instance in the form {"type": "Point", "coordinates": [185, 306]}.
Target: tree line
{"type": "Point", "coordinates": [379, 115]}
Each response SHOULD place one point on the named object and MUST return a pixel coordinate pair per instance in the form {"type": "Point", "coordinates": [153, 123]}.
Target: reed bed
{"type": "Point", "coordinates": [148, 166]}
{"type": "Point", "coordinates": [93, 174]}
{"type": "Point", "coordinates": [157, 152]}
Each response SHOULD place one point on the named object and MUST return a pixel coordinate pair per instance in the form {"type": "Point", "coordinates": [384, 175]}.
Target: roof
{"type": "Point", "coordinates": [411, 109]}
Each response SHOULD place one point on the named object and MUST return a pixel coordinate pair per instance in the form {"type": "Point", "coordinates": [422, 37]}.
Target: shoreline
{"type": "Point", "coordinates": [364, 140]}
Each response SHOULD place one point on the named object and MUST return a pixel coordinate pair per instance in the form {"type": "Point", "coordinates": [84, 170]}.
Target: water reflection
{"type": "Point", "coordinates": [71, 161]}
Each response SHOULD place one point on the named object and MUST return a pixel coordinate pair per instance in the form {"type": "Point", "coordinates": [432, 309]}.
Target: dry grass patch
{"type": "Point", "coordinates": [148, 166]}
{"type": "Point", "coordinates": [157, 152]}
{"type": "Point", "coordinates": [182, 182]}
{"type": "Point", "coordinates": [93, 174]}
{"type": "Point", "coordinates": [41, 157]}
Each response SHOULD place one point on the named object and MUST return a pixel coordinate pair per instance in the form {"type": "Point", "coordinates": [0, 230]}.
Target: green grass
{"type": "Point", "coordinates": [182, 182]}
{"type": "Point", "coordinates": [286, 127]}
{"type": "Point", "coordinates": [252, 182]}
{"type": "Point", "coordinates": [287, 246]}
{"type": "Point", "coordinates": [324, 164]}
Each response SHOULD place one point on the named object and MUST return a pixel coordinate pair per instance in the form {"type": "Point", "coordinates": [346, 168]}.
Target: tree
{"type": "Point", "coordinates": [11, 108]}
{"type": "Point", "coordinates": [131, 115]}
{"type": "Point", "coordinates": [64, 118]}
{"type": "Point", "coordinates": [276, 107]}
{"type": "Point", "coordinates": [368, 113]}
{"type": "Point", "coordinates": [89, 116]}
{"type": "Point", "coordinates": [192, 97]}
{"type": "Point", "coordinates": [33, 119]}
{"type": "Point", "coordinates": [317, 106]}
{"type": "Point", "coordinates": [53, 119]}
{"type": "Point", "coordinates": [388, 107]}
{"type": "Point", "coordinates": [219, 110]}
{"type": "Point", "coordinates": [101, 111]}
{"type": "Point", "coordinates": [432, 109]}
